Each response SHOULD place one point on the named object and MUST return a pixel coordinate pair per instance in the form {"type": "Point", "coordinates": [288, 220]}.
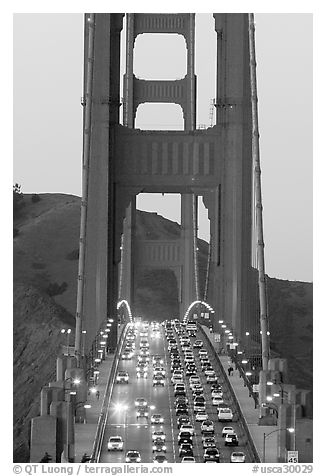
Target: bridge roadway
{"type": "Point", "coordinates": [137, 434]}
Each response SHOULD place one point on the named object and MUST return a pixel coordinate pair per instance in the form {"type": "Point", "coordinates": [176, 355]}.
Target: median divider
{"type": "Point", "coordinates": [242, 420]}
{"type": "Point", "coordinates": [98, 440]}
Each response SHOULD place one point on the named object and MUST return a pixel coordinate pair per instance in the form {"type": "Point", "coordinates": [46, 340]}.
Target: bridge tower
{"type": "Point", "coordinates": [215, 163]}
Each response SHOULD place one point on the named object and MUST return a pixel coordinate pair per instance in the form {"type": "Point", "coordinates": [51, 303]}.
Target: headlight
{"type": "Point", "coordinates": [154, 447]}
{"type": "Point", "coordinates": [161, 420]}
{"type": "Point", "coordinates": [137, 404]}
{"type": "Point", "coordinates": [127, 459]}
{"type": "Point", "coordinates": [146, 413]}
{"type": "Point", "coordinates": [164, 448]}
{"type": "Point", "coordinates": [138, 460]}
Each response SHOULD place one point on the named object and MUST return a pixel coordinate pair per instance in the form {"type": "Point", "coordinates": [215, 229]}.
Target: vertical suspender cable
{"type": "Point", "coordinates": [86, 154]}
{"type": "Point", "coordinates": [259, 207]}
{"type": "Point", "coordinates": [194, 221]}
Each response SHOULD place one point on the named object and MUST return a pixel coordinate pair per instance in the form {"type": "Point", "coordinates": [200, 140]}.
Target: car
{"type": "Point", "coordinates": [209, 442]}
{"type": "Point", "coordinates": [157, 418]}
{"type": "Point", "coordinates": [194, 380]}
{"type": "Point", "coordinates": [122, 377]}
{"type": "Point", "coordinates": [142, 412]}
{"type": "Point", "coordinates": [133, 456]}
{"type": "Point", "coordinates": [224, 414]}
{"type": "Point", "coordinates": [198, 344]}
{"type": "Point", "coordinates": [183, 420]}
{"type": "Point", "coordinates": [181, 399]}
{"type": "Point", "coordinates": [115, 443]}
{"type": "Point", "coordinates": [182, 406]}
{"type": "Point", "coordinates": [142, 372]}
{"type": "Point", "coordinates": [227, 430]}
{"type": "Point", "coordinates": [186, 450]}
{"type": "Point", "coordinates": [217, 400]}
{"type": "Point", "coordinates": [159, 445]}
{"type": "Point", "coordinates": [211, 454]}
{"type": "Point", "coordinates": [217, 393]}
{"type": "Point", "coordinates": [191, 371]}
{"type": "Point", "coordinates": [127, 355]}
{"type": "Point", "coordinates": [189, 358]}
{"type": "Point", "coordinates": [144, 352]}
{"type": "Point", "coordinates": [203, 353]}
{"type": "Point", "coordinates": [199, 399]}
{"type": "Point", "coordinates": [158, 435]}
{"type": "Point", "coordinates": [140, 402]}
{"type": "Point", "coordinates": [160, 459]}
{"type": "Point", "coordinates": [184, 437]}
{"type": "Point", "coordinates": [207, 427]}
{"type": "Point", "coordinates": [237, 457]}
{"type": "Point", "coordinates": [158, 380]}
{"type": "Point", "coordinates": [188, 459]}
{"type": "Point", "coordinates": [209, 371]}
{"type": "Point", "coordinates": [197, 389]}
{"type": "Point", "coordinates": [181, 411]}
{"type": "Point", "coordinates": [199, 406]}
{"type": "Point", "coordinates": [144, 345]}
{"type": "Point", "coordinates": [231, 440]}
{"type": "Point", "coordinates": [188, 427]}
{"type": "Point", "coordinates": [211, 378]}
{"type": "Point", "coordinates": [216, 386]}
{"type": "Point", "coordinates": [201, 415]}
{"type": "Point", "coordinates": [157, 360]}
{"type": "Point", "coordinates": [197, 393]}
{"type": "Point", "coordinates": [159, 370]}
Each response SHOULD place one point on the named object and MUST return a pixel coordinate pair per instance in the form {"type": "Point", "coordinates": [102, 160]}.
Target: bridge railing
{"type": "Point", "coordinates": [255, 456]}
{"type": "Point", "coordinates": [101, 424]}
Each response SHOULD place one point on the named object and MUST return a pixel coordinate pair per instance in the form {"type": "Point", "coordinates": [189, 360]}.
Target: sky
{"type": "Point", "coordinates": [47, 81]}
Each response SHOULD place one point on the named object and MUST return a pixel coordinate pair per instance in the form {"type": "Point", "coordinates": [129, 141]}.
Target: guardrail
{"type": "Point", "coordinates": [98, 440]}
{"type": "Point", "coordinates": [255, 455]}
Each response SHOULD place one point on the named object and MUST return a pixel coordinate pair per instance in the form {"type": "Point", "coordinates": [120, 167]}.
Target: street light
{"type": "Point", "coordinates": [69, 392]}
{"type": "Point", "coordinates": [68, 332]}
{"type": "Point", "coordinates": [84, 405]}
{"type": "Point", "coordinates": [277, 394]}
{"type": "Point", "coordinates": [266, 435]}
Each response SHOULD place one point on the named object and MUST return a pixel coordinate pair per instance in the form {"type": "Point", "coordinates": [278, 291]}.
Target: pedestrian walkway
{"type": "Point", "coordinates": [85, 432]}
{"type": "Point", "coordinates": [249, 412]}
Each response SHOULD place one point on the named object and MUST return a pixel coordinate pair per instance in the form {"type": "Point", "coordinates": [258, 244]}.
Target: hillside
{"type": "Point", "coordinates": [45, 271]}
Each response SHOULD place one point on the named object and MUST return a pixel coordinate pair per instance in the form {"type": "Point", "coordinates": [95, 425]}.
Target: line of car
{"type": "Point", "coordinates": [186, 374]}
{"type": "Point", "coordinates": [191, 371]}
{"type": "Point", "coordinates": [142, 406]}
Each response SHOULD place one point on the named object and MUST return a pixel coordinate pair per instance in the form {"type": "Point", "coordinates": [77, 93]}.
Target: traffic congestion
{"type": "Point", "coordinates": [169, 403]}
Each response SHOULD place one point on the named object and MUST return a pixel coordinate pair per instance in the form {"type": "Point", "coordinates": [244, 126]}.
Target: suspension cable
{"type": "Point", "coordinates": [194, 223]}
{"type": "Point", "coordinates": [86, 156]}
{"type": "Point", "coordinates": [259, 207]}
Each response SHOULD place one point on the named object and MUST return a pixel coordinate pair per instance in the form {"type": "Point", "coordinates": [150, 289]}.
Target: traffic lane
{"type": "Point", "coordinates": [198, 449]}
{"type": "Point", "coordinates": [137, 434]}
{"type": "Point", "coordinates": [197, 443]}
{"type": "Point", "coordinates": [225, 451]}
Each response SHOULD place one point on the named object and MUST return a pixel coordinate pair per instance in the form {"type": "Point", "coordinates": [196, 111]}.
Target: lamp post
{"type": "Point", "coordinates": [85, 405]}
{"type": "Point", "coordinates": [266, 435]}
{"type": "Point", "coordinates": [281, 394]}
{"type": "Point", "coordinates": [68, 332]}
{"type": "Point", "coordinates": [69, 392]}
